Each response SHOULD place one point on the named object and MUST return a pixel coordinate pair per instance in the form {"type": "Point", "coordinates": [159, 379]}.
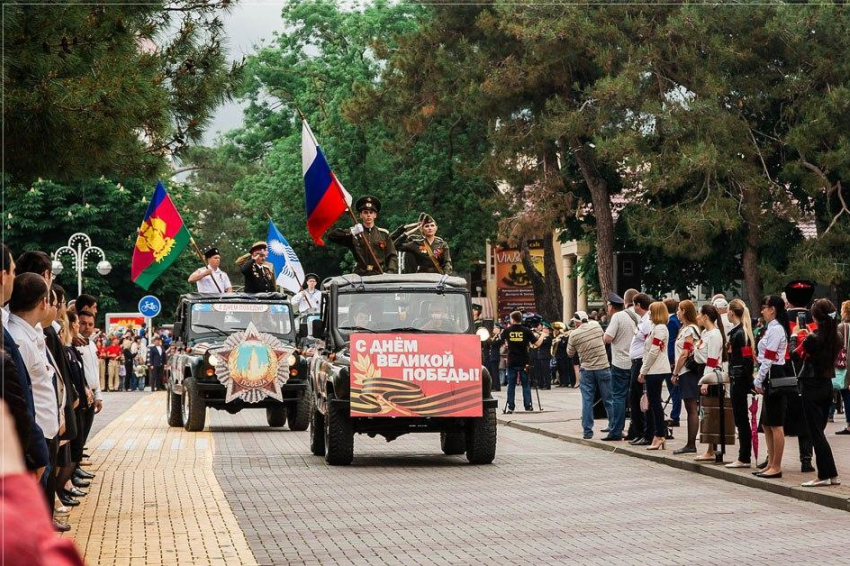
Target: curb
{"type": "Point", "coordinates": [809, 495]}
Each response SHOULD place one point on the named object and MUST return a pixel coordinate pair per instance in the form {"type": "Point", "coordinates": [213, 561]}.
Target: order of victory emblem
{"type": "Point", "coordinates": [253, 365]}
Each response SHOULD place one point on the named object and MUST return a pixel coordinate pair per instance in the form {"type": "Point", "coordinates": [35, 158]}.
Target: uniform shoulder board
{"type": "Point", "coordinates": [437, 240]}
{"type": "Point", "coordinates": [384, 230]}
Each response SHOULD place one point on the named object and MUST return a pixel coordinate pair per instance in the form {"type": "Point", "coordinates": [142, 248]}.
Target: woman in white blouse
{"type": "Point", "coordinates": [771, 364]}
{"type": "Point", "coordinates": [655, 371]}
{"type": "Point", "coordinates": [711, 351]}
{"type": "Point", "coordinates": [688, 379]}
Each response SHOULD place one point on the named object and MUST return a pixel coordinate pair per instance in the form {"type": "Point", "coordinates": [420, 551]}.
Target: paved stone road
{"type": "Point", "coordinates": [543, 502]}
{"type": "Point", "coordinates": [249, 494]}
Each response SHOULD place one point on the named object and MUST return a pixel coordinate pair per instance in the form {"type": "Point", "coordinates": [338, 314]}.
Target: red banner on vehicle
{"type": "Point", "coordinates": [415, 375]}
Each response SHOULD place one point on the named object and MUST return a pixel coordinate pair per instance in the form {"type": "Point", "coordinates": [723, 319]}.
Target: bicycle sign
{"type": "Point", "coordinates": [150, 306]}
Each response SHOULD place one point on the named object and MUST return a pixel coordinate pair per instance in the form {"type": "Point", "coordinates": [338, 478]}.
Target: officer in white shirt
{"type": "Point", "coordinates": [637, 424]}
{"type": "Point", "coordinates": [207, 277]}
{"type": "Point", "coordinates": [309, 298]}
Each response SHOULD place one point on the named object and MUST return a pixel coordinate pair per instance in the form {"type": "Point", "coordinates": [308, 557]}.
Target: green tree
{"type": "Point", "coordinates": [43, 216]}
{"type": "Point", "coordinates": [109, 89]}
{"type": "Point", "coordinates": [325, 64]}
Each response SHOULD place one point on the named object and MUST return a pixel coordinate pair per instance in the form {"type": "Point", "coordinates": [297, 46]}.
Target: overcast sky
{"type": "Point", "coordinates": [250, 22]}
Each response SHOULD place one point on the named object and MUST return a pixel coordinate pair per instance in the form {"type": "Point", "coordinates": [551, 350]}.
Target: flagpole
{"type": "Point", "coordinates": [203, 260]}
{"type": "Point", "coordinates": [347, 204]}
{"type": "Point", "coordinates": [300, 284]}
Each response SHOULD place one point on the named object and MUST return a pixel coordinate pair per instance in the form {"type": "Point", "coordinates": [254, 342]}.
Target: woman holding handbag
{"type": "Point", "coordinates": [710, 351]}
{"type": "Point", "coordinates": [741, 343]}
{"type": "Point", "coordinates": [771, 365]}
{"type": "Point", "coordinates": [686, 373]}
{"type": "Point", "coordinates": [819, 351]}
{"type": "Point", "coordinates": [655, 371]}
{"type": "Point", "coordinates": [844, 386]}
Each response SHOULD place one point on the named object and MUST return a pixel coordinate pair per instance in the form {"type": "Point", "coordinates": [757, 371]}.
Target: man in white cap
{"type": "Point", "coordinates": [587, 342]}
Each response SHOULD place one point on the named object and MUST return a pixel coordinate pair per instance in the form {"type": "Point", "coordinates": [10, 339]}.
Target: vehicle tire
{"type": "Point", "coordinates": [339, 436]}
{"type": "Point", "coordinates": [298, 414]}
{"type": "Point", "coordinates": [194, 409]}
{"type": "Point", "coordinates": [453, 443]}
{"type": "Point", "coordinates": [481, 438]}
{"type": "Point", "coordinates": [276, 416]}
{"type": "Point", "coordinates": [317, 432]}
{"type": "Point", "coordinates": [174, 408]}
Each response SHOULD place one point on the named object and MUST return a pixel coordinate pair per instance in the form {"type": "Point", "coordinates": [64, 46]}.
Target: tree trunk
{"type": "Point", "coordinates": [601, 211]}
{"type": "Point", "coordinates": [750, 256]}
{"type": "Point", "coordinates": [547, 287]}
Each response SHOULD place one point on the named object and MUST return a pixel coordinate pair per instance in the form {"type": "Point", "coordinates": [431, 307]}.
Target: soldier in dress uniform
{"type": "Point", "coordinates": [379, 238]}
{"type": "Point", "coordinates": [259, 274]}
{"type": "Point", "coordinates": [427, 249]}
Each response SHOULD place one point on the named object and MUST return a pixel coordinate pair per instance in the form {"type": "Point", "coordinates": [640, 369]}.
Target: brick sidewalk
{"type": "Point", "coordinates": [561, 418]}
{"type": "Point", "coordinates": [155, 499]}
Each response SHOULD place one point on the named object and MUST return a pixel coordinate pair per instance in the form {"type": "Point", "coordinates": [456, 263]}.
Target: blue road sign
{"type": "Point", "coordinates": [150, 306]}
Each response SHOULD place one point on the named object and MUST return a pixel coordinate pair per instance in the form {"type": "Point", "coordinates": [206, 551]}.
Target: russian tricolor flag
{"type": "Point", "coordinates": [325, 197]}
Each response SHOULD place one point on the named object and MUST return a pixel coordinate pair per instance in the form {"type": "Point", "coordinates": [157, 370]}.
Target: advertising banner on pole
{"type": "Point", "coordinates": [513, 285]}
{"type": "Point", "coordinates": [415, 375]}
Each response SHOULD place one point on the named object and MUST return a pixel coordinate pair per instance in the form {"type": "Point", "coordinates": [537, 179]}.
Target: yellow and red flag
{"type": "Point", "coordinates": [162, 237]}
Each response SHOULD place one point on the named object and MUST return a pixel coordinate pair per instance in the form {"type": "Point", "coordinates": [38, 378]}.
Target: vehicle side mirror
{"type": "Point", "coordinates": [177, 330]}
{"type": "Point", "coordinates": [318, 328]}
{"type": "Point", "coordinates": [302, 331]}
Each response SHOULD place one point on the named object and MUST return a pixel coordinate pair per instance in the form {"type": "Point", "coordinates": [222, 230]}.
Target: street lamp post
{"type": "Point", "coordinates": [79, 246]}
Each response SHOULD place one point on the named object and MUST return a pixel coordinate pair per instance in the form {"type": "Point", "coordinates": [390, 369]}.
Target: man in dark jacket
{"type": "Point", "coordinates": [156, 363]}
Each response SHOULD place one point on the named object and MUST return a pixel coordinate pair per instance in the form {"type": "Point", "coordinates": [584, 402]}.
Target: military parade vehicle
{"type": "Point", "coordinates": [232, 352]}
{"type": "Point", "coordinates": [398, 354]}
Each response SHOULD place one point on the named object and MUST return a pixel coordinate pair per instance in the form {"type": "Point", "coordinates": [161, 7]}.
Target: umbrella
{"type": "Point", "coordinates": [754, 425]}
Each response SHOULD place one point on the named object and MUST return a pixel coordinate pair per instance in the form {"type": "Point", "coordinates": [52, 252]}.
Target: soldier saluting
{"type": "Point", "coordinates": [379, 238]}
{"type": "Point", "coordinates": [429, 251]}
{"type": "Point", "coordinates": [259, 274]}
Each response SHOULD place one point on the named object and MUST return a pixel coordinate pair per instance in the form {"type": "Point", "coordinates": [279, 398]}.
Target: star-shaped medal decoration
{"type": "Point", "coordinates": [253, 365]}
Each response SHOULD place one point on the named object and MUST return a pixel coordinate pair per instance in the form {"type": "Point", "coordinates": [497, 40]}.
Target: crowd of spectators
{"type": "Point", "coordinates": [624, 359]}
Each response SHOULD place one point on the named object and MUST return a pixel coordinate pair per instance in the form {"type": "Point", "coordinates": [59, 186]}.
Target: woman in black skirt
{"type": "Point", "coordinates": [771, 360]}
{"type": "Point", "coordinates": [820, 350]}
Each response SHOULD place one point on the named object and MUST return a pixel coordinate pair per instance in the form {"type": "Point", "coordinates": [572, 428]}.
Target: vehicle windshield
{"type": "Point", "coordinates": [402, 312]}
{"type": "Point", "coordinates": [225, 318]}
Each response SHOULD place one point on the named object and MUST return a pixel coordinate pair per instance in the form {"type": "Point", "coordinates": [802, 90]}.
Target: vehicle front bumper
{"type": "Point", "coordinates": [214, 394]}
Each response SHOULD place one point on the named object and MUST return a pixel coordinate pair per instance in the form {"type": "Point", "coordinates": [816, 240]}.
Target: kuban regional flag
{"type": "Point", "coordinates": [326, 199]}
{"type": "Point", "coordinates": [162, 237]}
{"type": "Point", "coordinates": [285, 261]}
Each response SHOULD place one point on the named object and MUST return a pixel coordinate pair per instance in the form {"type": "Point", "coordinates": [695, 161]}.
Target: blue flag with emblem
{"type": "Point", "coordinates": [286, 263]}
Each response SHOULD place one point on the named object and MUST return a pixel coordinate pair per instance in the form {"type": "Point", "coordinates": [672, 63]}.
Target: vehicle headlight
{"type": "Point", "coordinates": [291, 360]}
{"type": "Point", "coordinates": [213, 360]}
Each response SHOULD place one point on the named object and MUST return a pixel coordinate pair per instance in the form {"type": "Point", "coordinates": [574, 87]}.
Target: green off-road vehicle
{"type": "Point", "coordinates": [397, 354]}
{"type": "Point", "coordinates": [199, 374]}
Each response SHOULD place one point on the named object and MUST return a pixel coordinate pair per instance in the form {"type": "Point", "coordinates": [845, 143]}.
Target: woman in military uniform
{"type": "Point", "coordinates": [378, 238]}
{"type": "Point", "coordinates": [429, 251]}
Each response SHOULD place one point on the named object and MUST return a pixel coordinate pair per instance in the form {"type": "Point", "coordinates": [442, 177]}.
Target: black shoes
{"type": "Point", "coordinates": [762, 466]}
{"type": "Point", "coordinates": [529, 408]}
{"type": "Point", "coordinates": [806, 466]}
{"type": "Point", "coordinates": [77, 482]}
{"type": "Point", "coordinates": [606, 429]}
{"type": "Point", "coordinates": [66, 499]}
{"type": "Point", "coordinates": [83, 475]}
{"type": "Point", "coordinates": [685, 450]}
{"type": "Point", "coordinates": [640, 442]}
{"type": "Point", "coordinates": [76, 492]}
{"type": "Point", "coordinates": [610, 438]}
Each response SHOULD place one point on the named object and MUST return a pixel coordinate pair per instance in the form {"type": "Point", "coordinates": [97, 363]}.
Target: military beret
{"type": "Point", "coordinates": [368, 203]}
{"type": "Point", "coordinates": [258, 246]}
{"type": "Point", "coordinates": [210, 252]}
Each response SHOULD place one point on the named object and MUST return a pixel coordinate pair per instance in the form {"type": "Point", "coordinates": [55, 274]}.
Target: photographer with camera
{"type": "Point", "coordinates": [518, 338]}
